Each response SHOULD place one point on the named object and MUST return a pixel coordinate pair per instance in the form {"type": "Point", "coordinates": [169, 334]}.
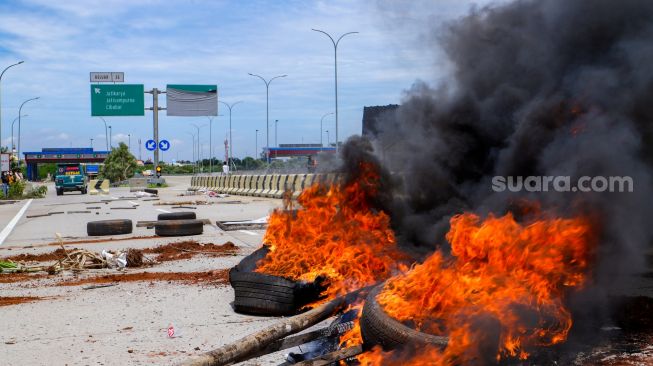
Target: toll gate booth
{"type": "Point", "coordinates": [61, 156]}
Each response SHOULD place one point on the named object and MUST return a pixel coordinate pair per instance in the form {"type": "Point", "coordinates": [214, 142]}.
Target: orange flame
{"type": "Point", "coordinates": [514, 275]}
{"type": "Point", "coordinates": [336, 235]}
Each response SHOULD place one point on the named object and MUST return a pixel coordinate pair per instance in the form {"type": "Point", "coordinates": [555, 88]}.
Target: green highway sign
{"type": "Point", "coordinates": [118, 100]}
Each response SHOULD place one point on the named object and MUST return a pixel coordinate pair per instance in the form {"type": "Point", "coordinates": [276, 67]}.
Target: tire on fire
{"type": "Point", "coordinates": [109, 227]}
{"type": "Point", "coordinates": [378, 328]}
{"type": "Point", "coordinates": [179, 227]}
{"type": "Point", "coordinates": [264, 294]}
{"type": "Point", "coordinates": [177, 216]}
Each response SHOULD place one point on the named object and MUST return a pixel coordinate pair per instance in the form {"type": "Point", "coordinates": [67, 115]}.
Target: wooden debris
{"type": "Point", "coordinates": [252, 344]}
{"type": "Point", "coordinates": [123, 208]}
{"type": "Point", "coordinates": [152, 223]}
{"type": "Point", "coordinates": [188, 207]}
{"type": "Point", "coordinates": [76, 212]}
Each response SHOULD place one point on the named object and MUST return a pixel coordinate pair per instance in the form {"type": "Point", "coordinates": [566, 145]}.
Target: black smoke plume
{"type": "Point", "coordinates": [539, 88]}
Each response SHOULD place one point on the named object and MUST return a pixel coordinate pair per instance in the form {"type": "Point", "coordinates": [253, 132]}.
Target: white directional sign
{"type": "Point", "coordinates": [4, 162]}
{"type": "Point", "coordinates": [108, 77]}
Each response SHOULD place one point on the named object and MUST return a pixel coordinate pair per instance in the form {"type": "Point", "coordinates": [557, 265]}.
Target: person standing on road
{"type": "Point", "coordinates": [225, 169]}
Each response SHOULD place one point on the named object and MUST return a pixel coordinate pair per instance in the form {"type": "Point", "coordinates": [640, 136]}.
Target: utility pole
{"type": "Point", "coordinates": [129, 143]}
{"type": "Point", "coordinates": [140, 155]}
{"type": "Point", "coordinates": [91, 144]}
{"type": "Point", "coordinates": [110, 142]}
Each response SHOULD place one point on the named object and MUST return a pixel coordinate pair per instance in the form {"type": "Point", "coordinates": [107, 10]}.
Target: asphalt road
{"type": "Point", "coordinates": [124, 324]}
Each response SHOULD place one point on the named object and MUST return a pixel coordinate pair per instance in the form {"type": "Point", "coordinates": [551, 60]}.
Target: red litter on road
{"type": "Point", "coordinates": [171, 331]}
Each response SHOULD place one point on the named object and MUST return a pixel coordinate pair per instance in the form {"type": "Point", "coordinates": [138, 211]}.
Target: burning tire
{"type": "Point", "coordinates": [109, 227]}
{"type": "Point", "coordinates": [263, 294]}
{"type": "Point", "coordinates": [177, 216]}
{"type": "Point", "coordinates": [378, 328]}
{"type": "Point", "coordinates": [179, 227]}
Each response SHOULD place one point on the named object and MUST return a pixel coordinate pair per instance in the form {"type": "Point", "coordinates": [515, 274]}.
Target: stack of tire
{"type": "Point", "coordinates": [264, 294]}
{"type": "Point", "coordinates": [178, 224]}
{"type": "Point", "coordinates": [379, 329]}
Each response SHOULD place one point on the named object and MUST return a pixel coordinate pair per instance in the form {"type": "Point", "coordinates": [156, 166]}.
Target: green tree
{"type": "Point", "coordinates": [119, 165]}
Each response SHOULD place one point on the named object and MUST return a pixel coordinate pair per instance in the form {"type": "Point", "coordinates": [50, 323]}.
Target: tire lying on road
{"type": "Point", "coordinates": [109, 227]}
{"type": "Point", "coordinates": [178, 227]}
{"type": "Point", "coordinates": [264, 294]}
{"type": "Point", "coordinates": [177, 216]}
{"type": "Point", "coordinates": [378, 328]}
{"type": "Point", "coordinates": [151, 191]}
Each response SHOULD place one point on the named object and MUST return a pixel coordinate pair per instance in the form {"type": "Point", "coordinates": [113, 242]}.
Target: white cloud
{"type": "Point", "coordinates": [210, 42]}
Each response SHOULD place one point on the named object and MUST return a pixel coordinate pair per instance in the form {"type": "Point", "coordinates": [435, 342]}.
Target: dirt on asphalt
{"type": "Point", "coordinates": [214, 277]}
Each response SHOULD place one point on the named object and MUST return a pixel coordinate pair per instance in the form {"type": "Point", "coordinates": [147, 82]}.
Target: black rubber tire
{"type": "Point", "coordinates": [263, 294]}
{"type": "Point", "coordinates": [151, 191]}
{"type": "Point", "coordinates": [378, 328]}
{"type": "Point", "coordinates": [109, 227]}
{"type": "Point", "coordinates": [177, 216]}
{"type": "Point", "coordinates": [178, 227]}
{"type": "Point", "coordinates": [59, 192]}
{"type": "Point", "coordinates": [84, 190]}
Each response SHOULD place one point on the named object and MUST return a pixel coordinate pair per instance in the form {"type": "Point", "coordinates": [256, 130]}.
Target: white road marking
{"type": "Point", "coordinates": [7, 230]}
{"type": "Point", "coordinates": [248, 232]}
{"type": "Point", "coordinates": [114, 198]}
{"type": "Point", "coordinates": [162, 210]}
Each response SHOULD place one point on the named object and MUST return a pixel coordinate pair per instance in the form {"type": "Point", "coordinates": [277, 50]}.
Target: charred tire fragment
{"type": "Point", "coordinates": [178, 227]}
{"type": "Point", "coordinates": [263, 294]}
{"type": "Point", "coordinates": [177, 216]}
{"type": "Point", "coordinates": [151, 191]}
{"type": "Point", "coordinates": [378, 328]}
{"type": "Point", "coordinates": [109, 227]}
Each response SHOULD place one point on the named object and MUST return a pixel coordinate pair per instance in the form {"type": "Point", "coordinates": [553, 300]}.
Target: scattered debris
{"type": "Point", "coordinates": [94, 208]}
{"type": "Point", "coordinates": [257, 224]}
{"type": "Point", "coordinates": [38, 215]}
{"type": "Point", "coordinates": [92, 287]}
{"type": "Point", "coordinates": [189, 207]}
{"type": "Point", "coordinates": [123, 208]}
{"type": "Point", "coordinates": [75, 212]}
{"type": "Point", "coordinates": [134, 258]}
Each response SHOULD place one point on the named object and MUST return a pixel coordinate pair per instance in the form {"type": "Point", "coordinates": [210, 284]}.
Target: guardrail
{"type": "Point", "coordinates": [269, 185]}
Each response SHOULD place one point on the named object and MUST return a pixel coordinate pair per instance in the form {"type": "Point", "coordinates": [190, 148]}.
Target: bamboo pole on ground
{"type": "Point", "coordinates": [253, 343]}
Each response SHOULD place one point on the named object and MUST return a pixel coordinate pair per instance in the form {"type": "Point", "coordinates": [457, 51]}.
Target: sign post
{"type": "Point", "coordinates": [4, 162]}
{"type": "Point", "coordinates": [117, 100]}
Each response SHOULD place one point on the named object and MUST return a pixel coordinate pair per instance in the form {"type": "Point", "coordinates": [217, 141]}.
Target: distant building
{"type": "Point", "coordinates": [372, 117]}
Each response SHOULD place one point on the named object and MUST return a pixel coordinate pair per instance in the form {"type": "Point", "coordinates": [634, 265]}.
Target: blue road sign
{"type": "Point", "coordinates": [164, 145]}
{"type": "Point", "coordinates": [150, 145]}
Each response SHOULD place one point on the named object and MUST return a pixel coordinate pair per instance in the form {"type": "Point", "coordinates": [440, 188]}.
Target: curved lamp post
{"type": "Point", "coordinates": [231, 144]}
{"type": "Point", "coordinates": [13, 146]}
{"type": "Point", "coordinates": [321, 130]}
{"type": "Point", "coordinates": [19, 113]}
{"type": "Point", "coordinates": [267, 111]}
{"type": "Point", "coordinates": [1, 74]}
{"type": "Point", "coordinates": [335, 56]}
{"type": "Point", "coordinates": [106, 132]}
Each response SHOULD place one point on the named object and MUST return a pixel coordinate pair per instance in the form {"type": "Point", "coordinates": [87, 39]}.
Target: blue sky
{"type": "Point", "coordinates": [212, 42]}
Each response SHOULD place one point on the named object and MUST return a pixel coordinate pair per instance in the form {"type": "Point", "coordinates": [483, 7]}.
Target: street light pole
{"type": "Point", "coordinates": [91, 143]}
{"type": "Point", "coordinates": [210, 145]}
{"type": "Point", "coordinates": [1, 74]}
{"type": "Point", "coordinates": [322, 133]}
{"type": "Point", "coordinates": [129, 143]}
{"type": "Point", "coordinates": [106, 133]}
{"type": "Point", "coordinates": [198, 143]}
{"type": "Point", "coordinates": [19, 114]}
{"type": "Point", "coordinates": [335, 54]}
{"type": "Point", "coordinates": [231, 144]}
{"type": "Point", "coordinates": [328, 138]}
{"type": "Point", "coordinates": [13, 146]}
{"type": "Point", "coordinates": [110, 142]}
{"type": "Point", "coordinates": [275, 133]}
{"type": "Point", "coordinates": [267, 111]}
{"type": "Point", "coordinates": [194, 161]}
{"type": "Point", "coordinates": [256, 146]}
